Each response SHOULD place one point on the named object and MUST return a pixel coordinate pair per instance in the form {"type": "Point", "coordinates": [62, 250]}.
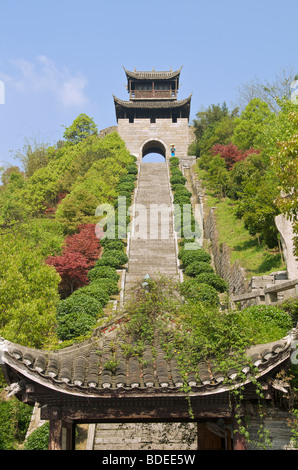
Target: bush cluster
{"type": "Point", "coordinates": [77, 315]}
{"type": "Point", "coordinates": [185, 223]}
{"type": "Point", "coordinates": [204, 284]}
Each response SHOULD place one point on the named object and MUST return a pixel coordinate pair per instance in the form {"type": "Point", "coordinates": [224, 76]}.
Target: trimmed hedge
{"type": "Point", "coordinates": [174, 161]}
{"type": "Point", "coordinates": [113, 245]}
{"type": "Point", "coordinates": [198, 267]}
{"type": "Point", "coordinates": [132, 169]}
{"type": "Point", "coordinates": [108, 285]}
{"type": "Point", "coordinates": [103, 272]}
{"type": "Point", "coordinates": [96, 291]}
{"type": "Point", "coordinates": [213, 280]}
{"type": "Point", "coordinates": [113, 258]}
{"type": "Point", "coordinates": [126, 186]}
{"type": "Point", "coordinates": [199, 292]}
{"type": "Point", "coordinates": [79, 302]}
{"type": "Point", "coordinates": [177, 179]}
{"type": "Point", "coordinates": [189, 256]}
{"type": "Point", "coordinates": [75, 324]}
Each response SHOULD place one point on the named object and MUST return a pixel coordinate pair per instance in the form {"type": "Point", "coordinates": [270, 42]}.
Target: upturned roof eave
{"type": "Point", "coordinates": [151, 104]}
{"type": "Point", "coordinates": [55, 385]}
{"type": "Point", "coordinates": [151, 75]}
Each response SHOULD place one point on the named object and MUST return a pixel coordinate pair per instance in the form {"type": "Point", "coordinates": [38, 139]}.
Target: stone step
{"type": "Point", "coordinates": [152, 246]}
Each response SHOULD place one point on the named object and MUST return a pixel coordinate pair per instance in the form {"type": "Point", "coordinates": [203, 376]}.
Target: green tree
{"type": "Point", "coordinates": [285, 165]}
{"type": "Point", "coordinates": [250, 126]}
{"type": "Point", "coordinates": [34, 156]}
{"type": "Point", "coordinates": [28, 294]}
{"type": "Point", "coordinates": [82, 127]}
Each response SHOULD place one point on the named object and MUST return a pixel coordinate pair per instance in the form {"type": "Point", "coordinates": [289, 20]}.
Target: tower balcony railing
{"type": "Point", "coordinates": [153, 94]}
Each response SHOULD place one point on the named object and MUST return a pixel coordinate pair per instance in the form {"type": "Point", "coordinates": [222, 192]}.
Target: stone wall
{"type": "Point", "coordinates": [233, 274]}
{"type": "Point", "coordinates": [144, 436]}
{"type": "Point", "coordinates": [164, 131]}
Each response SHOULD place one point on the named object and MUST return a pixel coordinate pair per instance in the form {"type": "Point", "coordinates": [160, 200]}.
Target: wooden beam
{"type": "Point", "coordinates": [155, 413]}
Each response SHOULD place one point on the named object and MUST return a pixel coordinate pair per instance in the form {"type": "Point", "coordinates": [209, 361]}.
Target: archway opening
{"type": "Point", "coordinates": [154, 152]}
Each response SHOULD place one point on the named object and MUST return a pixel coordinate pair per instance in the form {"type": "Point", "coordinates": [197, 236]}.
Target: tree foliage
{"type": "Point", "coordinates": [254, 165]}
{"type": "Point", "coordinates": [28, 294]}
{"type": "Point", "coordinates": [82, 127]}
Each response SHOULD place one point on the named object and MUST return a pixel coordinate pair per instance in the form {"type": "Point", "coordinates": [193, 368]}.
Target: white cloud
{"type": "Point", "coordinates": [43, 76]}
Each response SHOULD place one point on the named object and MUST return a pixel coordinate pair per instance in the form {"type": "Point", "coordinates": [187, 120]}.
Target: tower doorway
{"type": "Point", "coordinates": [154, 151]}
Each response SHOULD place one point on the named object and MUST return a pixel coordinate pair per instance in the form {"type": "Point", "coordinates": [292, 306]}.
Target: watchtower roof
{"type": "Point", "coordinates": [153, 74]}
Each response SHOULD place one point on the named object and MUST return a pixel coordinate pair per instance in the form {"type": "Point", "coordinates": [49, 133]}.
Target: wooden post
{"type": "Point", "coordinates": [239, 441]}
{"type": "Point", "coordinates": [55, 434]}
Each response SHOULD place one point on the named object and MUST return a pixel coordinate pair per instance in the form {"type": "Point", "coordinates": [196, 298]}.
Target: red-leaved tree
{"type": "Point", "coordinates": [85, 242]}
{"type": "Point", "coordinates": [231, 154]}
{"type": "Point", "coordinates": [79, 255]}
{"type": "Point", "coordinates": [73, 268]}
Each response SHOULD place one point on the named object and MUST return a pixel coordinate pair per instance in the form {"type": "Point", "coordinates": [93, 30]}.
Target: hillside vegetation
{"type": "Point", "coordinates": [47, 217]}
{"type": "Point", "coordinates": [248, 163]}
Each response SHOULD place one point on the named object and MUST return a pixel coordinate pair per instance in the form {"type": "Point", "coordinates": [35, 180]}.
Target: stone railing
{"type": "Point", "coordinates": [272, 294]}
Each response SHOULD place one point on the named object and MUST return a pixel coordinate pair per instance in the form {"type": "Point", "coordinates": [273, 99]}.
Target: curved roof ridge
{"type": "Point", "coordinates": [145, 75]}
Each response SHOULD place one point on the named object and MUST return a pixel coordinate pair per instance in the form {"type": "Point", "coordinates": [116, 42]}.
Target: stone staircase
{"type": "Point", "coordinates": [152, 250]}
{"type": "Point", "coordinates": [152, 246]}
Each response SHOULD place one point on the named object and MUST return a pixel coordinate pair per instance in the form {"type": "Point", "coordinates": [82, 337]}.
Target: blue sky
{"type": "Point", "coordinates": [62, 58]}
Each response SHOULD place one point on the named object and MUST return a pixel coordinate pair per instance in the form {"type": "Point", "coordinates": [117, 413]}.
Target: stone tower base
{"type": "Point", "coordinates": [143, 136]}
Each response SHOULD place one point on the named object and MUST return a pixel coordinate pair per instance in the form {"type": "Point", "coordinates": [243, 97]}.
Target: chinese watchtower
{"type": "Point", "coordinates": [153, 120]}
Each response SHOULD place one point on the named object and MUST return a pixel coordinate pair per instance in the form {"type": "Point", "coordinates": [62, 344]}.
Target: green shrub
{"type": "Point", "coordinates": [81, 303]}
{"type": "Point", "coordinates": [74, 324]}
{"type": "Point", "coordinates": [185, 241]}
{"type": "Point", "coordinates": [114, 258]}
{"type": "Point", "coordinates": [108, 285]}
{"type": "Point", "coordinates": [179, 187]}
{"type": "Point", "coordinates": [127, 178]}
{"type": "Point", "coordinates": [200, 292]}
{"type": "Point", "coordinates": [174, 161]}
{"type": "Point", "coordinates": [103, 272]}
{"type": "Point", "coordinates": [176, 171]}
{"type": "Point", "coordinates": [189, 256]}
{"type": "Point", "coordinates": [180, 198]}
{"type": "Point", "coordinates": [269, 314]}
{"type": "Point", "coordinates": [114, 245]}
{"type": "Point", "coordinates": [213, 280]}
{"type": "Point", "coordinates": [38, 439]}
{"type": "Point", "coordinates": [132, 169]}
{"type": "Point", "coordinates": [126, 186]}
{"type": "Point", "coordinates": [96, 291]}
{"type": "Point", "coordinates": [177, 179]}
{"type": "Point", "coordinates": [122, 202]}
{"type": "Point", "coordinates": [181, 190]}
{"type": "Point", "coordinates": [198, 267]}
{"type": "Point", "coordinates": [193, 247]}
{"type": "Point", "coordinates": [291, 307]}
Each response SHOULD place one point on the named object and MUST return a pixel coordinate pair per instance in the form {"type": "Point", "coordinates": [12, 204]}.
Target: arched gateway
{"type": "Point", "coordinates": [153, 146]}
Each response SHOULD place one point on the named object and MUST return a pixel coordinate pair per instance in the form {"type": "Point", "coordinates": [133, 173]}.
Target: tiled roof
{"type": "Point", "coordinates": [98, 365]}
{"type": "Point", "coordinates": [153, 75]}
{"type": "Point", "coordinates": [151, 104]}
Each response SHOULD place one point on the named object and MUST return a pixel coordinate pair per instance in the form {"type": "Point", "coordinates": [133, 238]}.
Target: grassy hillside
{"type": "Point", "coordinates": [254, 256]}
